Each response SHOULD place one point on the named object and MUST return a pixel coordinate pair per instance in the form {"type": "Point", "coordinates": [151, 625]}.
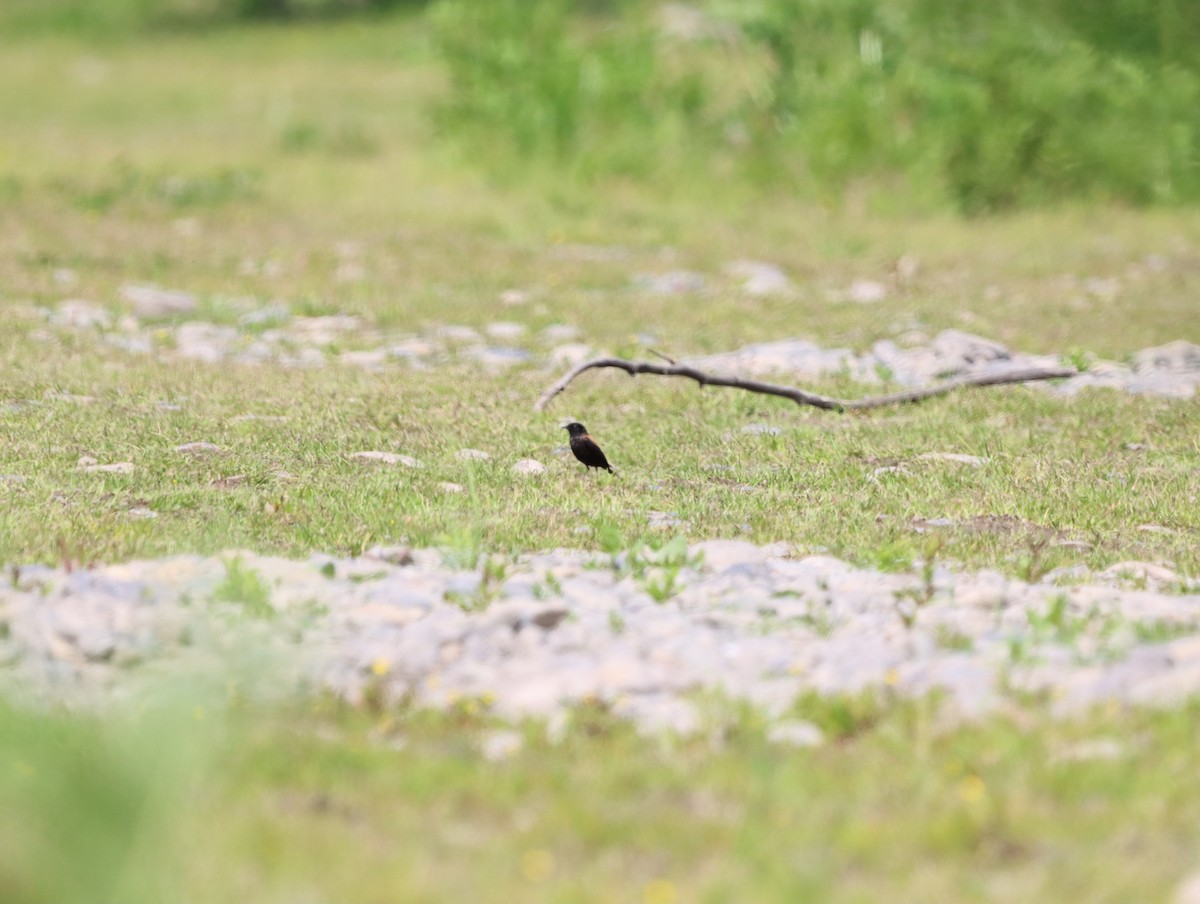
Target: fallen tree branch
{"type": "Point", "coordinates": [799, 396]}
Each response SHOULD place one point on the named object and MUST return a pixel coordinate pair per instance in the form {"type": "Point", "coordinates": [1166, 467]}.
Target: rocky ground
{"type": "Point", "coordinates": [173, 324]}
{"type": "Point", "coordinates": [644, 633]}
{"type": "Point", "coordinates": [647, 634]}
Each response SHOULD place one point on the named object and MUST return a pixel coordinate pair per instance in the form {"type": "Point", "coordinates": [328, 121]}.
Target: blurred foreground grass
{"type": "Point", "coordinates": [321, 804]}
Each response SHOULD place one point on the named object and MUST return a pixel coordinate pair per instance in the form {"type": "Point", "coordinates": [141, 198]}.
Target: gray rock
{"type": "Point", "coordinates": [796, 356]}
{"type": "Point", "coordinates": [501, 744]}
{"type": "Point", "coordinates": [513, 297]}
{"type": "Point", "coordinates": [367, 359]}
{"type": "Point", "coordinates": [664, 519]}
{"type": "Point", "coordinates": [72, 397]}
{"type": "Point", "coordinates": [1169, 688]}
{"type": "Point", "coordinates": [966, 351]}
{"type": "Point", "coordinates": [570, 353]}
{"type": "Point", "coordinates": [89, 465]}
{"type": "Point", "coordinates": [1178, 357]}
{"type": "Point", "coordinates": [395, 555]}
{"type": "Point", "coordinates": [497, 357]}
{"type": "Point", "coordinates": [528, 466]}
{"type": "Point", "coordinates": [760, 279]}
{"type": "Point", "coordinates": [1185, 650]}
{"type": "Point", "coordinates": [308, 357]}
{"type": "Point", "coordinates": [81, 315]}
{"type": "Point", "coordinates": [376, 615]}
{"type": "Point", "coordinates": [954, 457]}
{"type": "Point", "coordinates": [866, 291]}
{"type": "Point", "coordinates": [505, 330]}
{"type": "Point", "coordinates": [674, 282]}
{"type": "Point", "coordinates": [560, 332]}
{"type": "Point", "coordinates": [274, 314]}
{"type": "Point", "coordinates": [413, 350]}
{"type": "Point", "coordinates": [323, 330]}
{"type": "Point", "coordinates": [207, 342]}
{"type": "Point", "coordinates": [1144, 572]}
{"type": "Point", "coordinates": [1163, 384]}
{"type": "Point", "coordinates": [796, 733]}
{"type": "Point", "coordinates": [562, 627]}
{"type": "Point", "coordinates": [1188, 890]}
{"type": "Point", "coordinates": [153, 302]}
{"type": "Point", "coordinates": [458, 333]}
{"type": "Point", "coordinates": [387, 458]}
{"type": "Point", "coordinates": [198, 448]}
{"type": "Point", "coordinates": [718, 555]}
{"type": "Point", "coordinates": [137, 345]}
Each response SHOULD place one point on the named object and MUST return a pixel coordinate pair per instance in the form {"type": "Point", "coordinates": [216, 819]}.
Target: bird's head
{"type": "Point", "coordinates": [575, 428]}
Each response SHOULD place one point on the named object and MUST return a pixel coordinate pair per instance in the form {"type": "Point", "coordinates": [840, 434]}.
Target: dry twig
{"type": "Point", "coordinates": [799, 396]}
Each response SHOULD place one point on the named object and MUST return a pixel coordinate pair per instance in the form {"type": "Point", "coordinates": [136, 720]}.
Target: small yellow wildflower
{"type": "Point", "coordinates": [537, 865]}
{"type": "Point", "coordinates": [972, 788]}
{"type": "Point", "coordinates": [381, 666]}
{"type": "Point", "coordinates": [660, 891]}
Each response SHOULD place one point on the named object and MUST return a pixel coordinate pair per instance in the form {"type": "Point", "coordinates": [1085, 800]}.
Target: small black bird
{"type": "Point", "coordinates": [585, 448]}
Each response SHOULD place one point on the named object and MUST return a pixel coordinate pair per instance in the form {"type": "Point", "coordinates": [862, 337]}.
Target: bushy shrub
{"type": "Point", "coordinates": [990, 106]}
{"type": "Point", "coordinates": [1002, 104]}
{"type": "Point", "coordinates": [591, 92]}
{"type": "Point", "coordinates": [124, 16]}
{"type": "Point", "coordinates": [296, 9]}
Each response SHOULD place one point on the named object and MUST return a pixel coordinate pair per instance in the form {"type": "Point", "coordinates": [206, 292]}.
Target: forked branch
{"type": "Point", "coordinates": [800, 396]}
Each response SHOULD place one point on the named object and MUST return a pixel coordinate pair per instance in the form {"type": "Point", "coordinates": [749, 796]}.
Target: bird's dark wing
{"type": "Point", "coordinates": [589, 453]}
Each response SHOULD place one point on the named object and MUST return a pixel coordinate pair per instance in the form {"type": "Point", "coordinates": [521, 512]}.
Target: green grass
{"type": "Point", "coordinates": [325, 804]}
{"type": "Point", "coordinates": [234, 164]}
{"type": "Point", "coordinates": [1059, 468]}
{"type": "Point", "coordinates": [1055, 471]}
{"type": "Point", "coordinates": [902, 103]}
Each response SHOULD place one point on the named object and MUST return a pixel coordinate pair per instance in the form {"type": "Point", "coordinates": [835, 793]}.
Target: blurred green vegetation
{"type": "Point", "coordinates": [134, 17]}
{"type": "Point", "coordinates": [602, 102]}
{"type": "Point", "coordinates": [90, 808]}
{"type": "Point", "coordinates": [903, 104]}
{"type": "Point", "coordinates": [986, 106]}
{"type": "Point", "coordinates": [318, 802]}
